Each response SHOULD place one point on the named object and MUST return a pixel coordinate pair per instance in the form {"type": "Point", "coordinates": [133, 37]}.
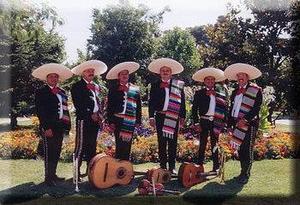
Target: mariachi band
{"type": "Point", "coordinates": [213, 112]}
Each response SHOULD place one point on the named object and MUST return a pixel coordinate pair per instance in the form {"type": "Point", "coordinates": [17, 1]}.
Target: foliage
{"type": "Point", "coordinates": [19, 144]}
{"type": "Point", "coordinates": [28, 35]}
{"type": "Point", "coordinates": [180, 45]}
{"type": "Point", "coordinates": [277, 145]}
{"type": "Point", "coordinates": [271, 30]}
{"type": "Point", "coordinates": [123, 33]}
{"type": "Point", "coordinates": [23, 144]}
{"type": "Point", "coordinates": [268, 97]}
{"type": "Point", "coordinates": [261, 41]}
{"type": "Point", "coordinates": [295, 43]}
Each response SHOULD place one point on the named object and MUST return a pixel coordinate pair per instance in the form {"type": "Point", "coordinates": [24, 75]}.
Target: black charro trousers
{"type": "Point", "coordinates": [166, 147]}
{"type": "Point", "coordinates": [207, 130]}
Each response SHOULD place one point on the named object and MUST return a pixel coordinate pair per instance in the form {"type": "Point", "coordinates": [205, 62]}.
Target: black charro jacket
{"type": "Point", "coordinates": [157, 99]}
{"type": "Point", "coordinates": [115, 104]}
{"type": "Point", "coordinates": [200, 104]}
{"type": "Point", "coordinates": [47, 108]}
{"type": "Point", "coordinates": [83, 100]}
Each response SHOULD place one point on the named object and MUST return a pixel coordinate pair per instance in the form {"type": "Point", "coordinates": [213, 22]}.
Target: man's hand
{"type": "Point", "coordinates": [229, 131]}
{"type": "Point", "coordinates": [181, 123]}
{"type": "Point", "coordinates": [48, 133]}
{"type": "Point", "coordinates": [111, 127]}
{"type": "Point", "coordinates": [152, 122]}
{"type": "Point", "coordinates": [241, 123]}
{"type": "Point", "coordinates": [95, 117]}
{"type": "Point", "coordinates": [197, 128]}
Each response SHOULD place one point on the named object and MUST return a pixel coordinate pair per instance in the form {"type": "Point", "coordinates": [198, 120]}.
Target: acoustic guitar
{"type": "Point", "coordinates": [105, 171]}
{"type": "Point", "coordinates": [190, 174]}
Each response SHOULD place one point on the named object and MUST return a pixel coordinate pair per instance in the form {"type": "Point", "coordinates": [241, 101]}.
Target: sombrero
{"type": "Point", "coordinates": [43, 71]}
{"type": "Point", "coordinates": [130, 66]}
{"type": "Point", "coordinates": [99, 67]}
{"type": "Point", "coordinates": [231, 71]}
{"type": "Point", "coordinates": [205, 72]}
{"type": "Point", "coordinates": [157, 64]}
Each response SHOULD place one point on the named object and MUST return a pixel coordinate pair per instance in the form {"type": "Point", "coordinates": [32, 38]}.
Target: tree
{"type": "Point", "coordinates": [261, 41]}
{"type": "Point", "coordinates": [227, 41]}
{"type": "Point", "coordinates": [123, 33]}
{"type": "Point", "coordinates": [180, 45]}
{"type": "Point", "coordinates": [295, 33]}
{"type": "Point", "coordinates": [28, 44]}
{"type": "Point", "coordinates": [270, 33]}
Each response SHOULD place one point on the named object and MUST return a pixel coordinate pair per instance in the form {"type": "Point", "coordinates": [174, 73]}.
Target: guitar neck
{"type": "Point", "coordinates": [170, 191]}
{"type": "Point", "coordinates": [207, 174]}
{"type": "Point", "coordinates": [139, 173]}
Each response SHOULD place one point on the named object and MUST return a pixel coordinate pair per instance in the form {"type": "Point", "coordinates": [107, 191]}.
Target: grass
{"type": "Point", "coordinates": [271, 182]}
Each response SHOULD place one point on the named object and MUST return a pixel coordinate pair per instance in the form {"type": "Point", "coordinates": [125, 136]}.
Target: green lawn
{"type": "Point", "coordinates": [272, 182]}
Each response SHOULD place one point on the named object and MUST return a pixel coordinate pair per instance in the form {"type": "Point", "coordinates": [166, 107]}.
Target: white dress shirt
{"type": "Point", "coordinates": [167, 97]}
{"type": "Point", "coordinates": [125, 101]}
{"type": "Point", "coordinates": [212, 105]}
{"type": "Point", "coordinates": [237, 104]}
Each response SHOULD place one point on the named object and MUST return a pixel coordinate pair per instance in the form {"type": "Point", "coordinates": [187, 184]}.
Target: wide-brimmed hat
{"type": "Point", "coordinates": [130, 66]}
{"type": "Point", "coordinates": [231, 71]}
{"type": "Point", "coordinates": [43, 71]}
{"type": "Point", "coordinates": [97, 65]}
{"type": "Point", "coordinates": [157, 64]}
{"type": "Point", "coordinates": [205, 72]}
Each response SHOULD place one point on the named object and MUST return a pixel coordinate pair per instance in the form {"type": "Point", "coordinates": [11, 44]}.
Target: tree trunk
{"type": "Point", "coordinates": [13, 121]}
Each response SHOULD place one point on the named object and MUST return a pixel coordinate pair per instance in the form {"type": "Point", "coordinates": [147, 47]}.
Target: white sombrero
{"type": "Point", "coordinates": [99, 67]}
{"type": "Point", "coordinates": [43, 71]}
{"type": "Point", "coordinates": [157, 64]}
{"type": "Point", "coordinates": [231, 71]}
{"type": "Point", "coordinates": [205, 72]}
{"type": "Point", "coordinates": [130, 66]}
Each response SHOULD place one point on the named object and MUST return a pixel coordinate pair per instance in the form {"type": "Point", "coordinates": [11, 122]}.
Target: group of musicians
{"type": "Point", "coordinates": [211, 111]}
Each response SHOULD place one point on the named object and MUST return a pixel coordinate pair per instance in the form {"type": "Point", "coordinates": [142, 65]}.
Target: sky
{"type": "Point", "coordinates": [184, 13]}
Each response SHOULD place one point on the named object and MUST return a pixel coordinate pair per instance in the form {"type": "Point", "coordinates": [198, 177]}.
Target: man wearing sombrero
{"type": "Point", "coordinates": [88, 114]}
{"type": "Point", "coordinates": [52, 111]}
{"type": "Point", "coordinates": [123, 107]}
{"type": "Point", "coordinates": [246, 101]}
{"type": "Point", "coordinates": [167, 108]}
{"type": "Point", "coordinates": [208, 111]}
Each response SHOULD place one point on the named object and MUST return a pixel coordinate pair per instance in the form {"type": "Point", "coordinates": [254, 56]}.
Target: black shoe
{"type": "Point", "coordinates": [237, 177]}
{"type": "Point", "coordinates": [243, 180]}
{"type": "Point", "coordinates": [56, 178]}
{"type": "Point", "coordinates": [83, 175]}
{"type": "Point", "coordinates": [50, 183]}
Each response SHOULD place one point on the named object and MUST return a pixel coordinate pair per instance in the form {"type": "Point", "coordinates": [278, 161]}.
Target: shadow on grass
{"type": "Point", "coordinates": [30, 191]}
{"type": "Point", "coordinates": [5, 127]}
{"type": "Point", "coordinates": [214, 192]}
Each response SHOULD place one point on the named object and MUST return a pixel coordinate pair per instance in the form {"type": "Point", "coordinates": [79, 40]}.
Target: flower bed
{"type": "Point", "coordinates": [22, 144]}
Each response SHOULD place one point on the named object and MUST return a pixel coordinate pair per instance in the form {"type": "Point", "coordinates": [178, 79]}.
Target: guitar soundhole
{"type": "Point", "coordinates": [121, 173]}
